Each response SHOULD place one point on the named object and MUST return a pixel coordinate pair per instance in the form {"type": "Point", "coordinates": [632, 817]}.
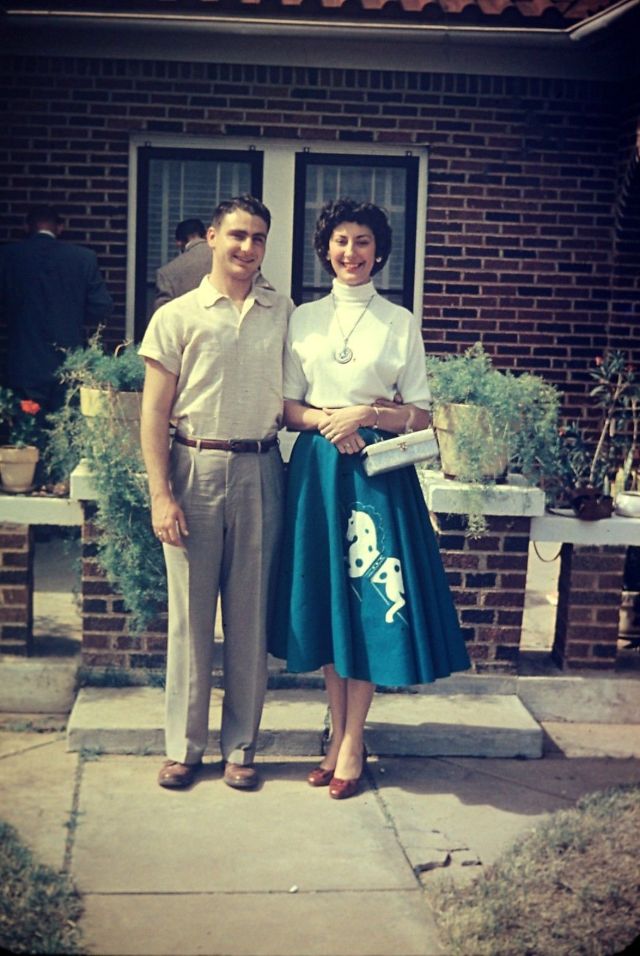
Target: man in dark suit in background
{"type": "Point", "coordinates": [187, 270]}
{"type": "Point", "coordinates": [49, 291]}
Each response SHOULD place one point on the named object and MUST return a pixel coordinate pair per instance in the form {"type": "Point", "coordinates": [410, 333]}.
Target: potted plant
{"type": "Point", "coordinates": [590, 474]}
{"type": "Point", "coordinates": [493, 421]}
{"type": "Point", "coordinates": [489, 423]}
{"type": "Point", "coordinates": [109, 385]}
{"type": "Point", "coordinates": [18, 459]}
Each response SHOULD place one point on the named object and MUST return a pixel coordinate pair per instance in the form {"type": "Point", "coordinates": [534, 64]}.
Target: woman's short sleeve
{"type": "Point", "coordinates": [294, 382]}
{"type": "Point", "coordinates": [413, 384]}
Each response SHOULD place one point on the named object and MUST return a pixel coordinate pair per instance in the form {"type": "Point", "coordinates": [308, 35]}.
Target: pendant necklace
{"type": "Point", "coordinates": [344, 355]}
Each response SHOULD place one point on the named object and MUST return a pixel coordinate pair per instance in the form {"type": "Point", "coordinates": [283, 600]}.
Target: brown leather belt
{"type": "Point", "coordinates": [235, 444]}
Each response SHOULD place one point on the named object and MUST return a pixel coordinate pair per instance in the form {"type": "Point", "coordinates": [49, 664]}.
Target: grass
{"type": "Point", "coordinates": [567, 888]}
{"type": "Point", "coordinates": [39, 908]}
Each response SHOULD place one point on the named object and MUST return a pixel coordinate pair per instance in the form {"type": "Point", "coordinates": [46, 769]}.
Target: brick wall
{"type": "Point", "coordinates": [523, 179]}
{"type": "Point", "coordinates": [107, 640]}
{"type": "Point", "coordinates": [625, 299]}
{"type": "Point", "coordinates": [16, 588]}
{"type": "Point", "coordinates": [589, 588]}
{"type": "Point", "coordinates": [488, 577]}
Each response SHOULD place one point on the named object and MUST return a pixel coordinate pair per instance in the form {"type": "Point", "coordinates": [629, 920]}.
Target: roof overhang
{"type": "Point", "coordinates": [602, 46]}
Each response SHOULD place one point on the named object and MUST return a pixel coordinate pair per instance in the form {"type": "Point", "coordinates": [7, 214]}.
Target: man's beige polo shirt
{"type": "Point", "coordinates": [228, 363]}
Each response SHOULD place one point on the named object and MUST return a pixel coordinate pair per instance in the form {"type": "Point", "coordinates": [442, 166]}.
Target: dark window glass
{"type": "Point", "coordinates": [176, 184]}
{"type": "Point", "coordinates": [388, 181]}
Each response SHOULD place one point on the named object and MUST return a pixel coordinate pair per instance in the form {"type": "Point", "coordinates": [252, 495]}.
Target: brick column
{"type": "Point", "coordinates": [16, 588]}
{"type": "Point", "coordinates": [107, 640]}
{"type": "Point", "coordinates": [589, 595]}
{"type": "Point", "coordinates": [488, 579]}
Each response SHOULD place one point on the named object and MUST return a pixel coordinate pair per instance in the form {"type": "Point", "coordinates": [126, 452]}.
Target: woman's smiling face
{"type": "Point", "coordinates": [352, 253]}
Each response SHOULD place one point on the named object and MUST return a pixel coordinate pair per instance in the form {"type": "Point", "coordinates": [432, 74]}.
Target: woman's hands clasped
{"type": "Point", "coordinates": [340, 427]}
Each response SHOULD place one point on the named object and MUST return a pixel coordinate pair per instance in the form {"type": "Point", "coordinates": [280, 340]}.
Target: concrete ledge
{"type": "Point", "coordinates": [81, 483]}
{"type": "Point", "coordinates": [32, 509]}
{"type": "Point", "coordinates": [612, 531]}
{"type": "Point", "coordinates": [130, 720]}
{"type": "Point", "coordinates": [618, 741]}
{"type": "Point", "coordinates": [446, 496]}
{"type": "Point", "coordinates": [37, 686]}
{"type": "Point", "coordinates": [597, 699]}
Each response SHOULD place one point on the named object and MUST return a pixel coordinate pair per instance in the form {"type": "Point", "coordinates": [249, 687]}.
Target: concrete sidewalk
{"type": "Point", "coordinates": [283, 871]}
{"type": "Point", "coordinates": [286, 871]}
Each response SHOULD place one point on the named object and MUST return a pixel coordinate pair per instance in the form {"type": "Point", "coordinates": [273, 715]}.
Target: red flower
{"type": "Point", "coordinates": [29, 407]}
{"type": "Point", "coordinates": [598, 360]}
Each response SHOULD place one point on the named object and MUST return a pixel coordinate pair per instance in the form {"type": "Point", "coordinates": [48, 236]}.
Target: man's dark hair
{"type": "Point", "coordinates": [337, 211]}
{"type": "Point", "coordinates": [189, 228]}
{"type": "Point", "coordinates": [247, 203]}
{"type": "Point", "coordinates": [42, 216]}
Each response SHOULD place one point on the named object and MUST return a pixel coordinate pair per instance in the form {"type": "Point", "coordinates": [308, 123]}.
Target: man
{"type": "Point", "coordinates": [214, 367]}
{"type": "Point", "coordinates": [187, 270]}
{"type": "Point", "coordinates": [50, 291]}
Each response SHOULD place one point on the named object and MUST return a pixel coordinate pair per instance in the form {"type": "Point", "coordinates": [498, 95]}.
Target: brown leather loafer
{"type": "Point", "coordinates": [176, 775]}
{"type": "Point", "coordinates": [241, 776]}
{"type": "Point", "coordinates": [319, 777]}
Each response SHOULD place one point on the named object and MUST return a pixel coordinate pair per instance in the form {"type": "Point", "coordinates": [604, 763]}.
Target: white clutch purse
{"type": "Point", "coordinates": [400, 451]}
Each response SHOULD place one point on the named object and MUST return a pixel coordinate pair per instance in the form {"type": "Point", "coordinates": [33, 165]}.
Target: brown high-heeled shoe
{"type": "Point", "coordinates": [319, 777]}
{"type": "Point", "coordinates": [340, 789]}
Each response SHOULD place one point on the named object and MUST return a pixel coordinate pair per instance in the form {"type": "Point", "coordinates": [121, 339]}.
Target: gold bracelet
{"type": "Point", "coordinates": [377, 411]}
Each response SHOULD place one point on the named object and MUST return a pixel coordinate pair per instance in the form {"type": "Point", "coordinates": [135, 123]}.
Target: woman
{"type": "Point", "coordinates": [362, 592]}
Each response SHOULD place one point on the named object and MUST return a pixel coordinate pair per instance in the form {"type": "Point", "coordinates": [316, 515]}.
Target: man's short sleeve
{"type": "Point", "coordinates": [162, 340]}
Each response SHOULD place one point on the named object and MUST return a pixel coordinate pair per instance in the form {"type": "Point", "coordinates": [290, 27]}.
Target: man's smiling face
{"type": "Point", "coordinates": [239, 244]}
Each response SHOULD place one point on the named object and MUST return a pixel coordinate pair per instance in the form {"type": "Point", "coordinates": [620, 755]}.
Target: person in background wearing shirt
{"type": "Point", "coordinates": [361, 589]}
{"type": "Point", "coordinates": [188, 269]}
{"type": "Point", "coordinates": [214, 367]}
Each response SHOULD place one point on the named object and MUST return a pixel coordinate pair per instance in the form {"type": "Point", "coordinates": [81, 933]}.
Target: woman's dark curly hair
{"type": "Point", "coordinates": [348, 210]}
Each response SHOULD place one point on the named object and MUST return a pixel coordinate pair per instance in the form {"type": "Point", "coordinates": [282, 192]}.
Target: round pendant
{"type": "Point", "coordinates": [344, 355]}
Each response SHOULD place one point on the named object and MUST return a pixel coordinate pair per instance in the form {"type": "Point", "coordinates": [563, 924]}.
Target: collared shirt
{"type": "Point", "coordinates": [228, 362]}
{"type": "Point", "coordinates": [387, 347]}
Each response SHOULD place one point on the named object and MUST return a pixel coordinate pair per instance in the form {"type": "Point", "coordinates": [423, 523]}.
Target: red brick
{"type": "Point", "coordinates": [13, 615]}
{"type": "Point", "coordinates": [103, 623]}
{"type": "Point", "coordinates": [503, 599]}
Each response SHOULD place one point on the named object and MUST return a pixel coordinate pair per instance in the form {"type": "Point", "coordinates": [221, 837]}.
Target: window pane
{"type": "Point", "coordinates": [384, 185]}
{"type": "Point", "coordinates": [184, 189]}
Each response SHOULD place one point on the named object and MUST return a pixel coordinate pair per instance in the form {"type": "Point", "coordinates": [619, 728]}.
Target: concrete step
{"type": "Point", "coordinates": [44, 685]}
{"type": "Point", "coordinates": [130, 720]}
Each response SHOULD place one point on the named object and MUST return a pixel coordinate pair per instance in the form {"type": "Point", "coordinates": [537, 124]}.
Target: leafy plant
{"type": "Point", "coordinates": [127, 550]}
{"type": "Point", "coordinates": [523, 411]}
{"type": "Point", "coordinates": [584, 463]}
{"type": "Point", "coordinates": [94, 368]}
{"type": "Point", "coordinates": [22, 417]}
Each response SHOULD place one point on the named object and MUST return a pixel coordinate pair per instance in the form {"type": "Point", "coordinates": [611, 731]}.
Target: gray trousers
{"type": "Point", "coordinates": [233, 507]}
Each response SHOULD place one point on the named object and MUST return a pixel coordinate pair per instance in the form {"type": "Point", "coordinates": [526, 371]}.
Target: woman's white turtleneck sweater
{"type": "Point", "coordinates": [387, 346]}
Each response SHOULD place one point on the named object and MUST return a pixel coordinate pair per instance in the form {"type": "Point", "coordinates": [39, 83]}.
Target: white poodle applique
{"type": "Point", "coordinates": [365, 559]}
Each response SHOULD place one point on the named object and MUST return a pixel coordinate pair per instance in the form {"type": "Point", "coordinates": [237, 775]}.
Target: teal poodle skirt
{"type": "Point", "coordinates": [361, 582]}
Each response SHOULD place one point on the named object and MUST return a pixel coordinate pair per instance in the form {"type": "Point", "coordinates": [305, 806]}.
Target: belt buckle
{"type": "Point", "coordinates": [236, 444]}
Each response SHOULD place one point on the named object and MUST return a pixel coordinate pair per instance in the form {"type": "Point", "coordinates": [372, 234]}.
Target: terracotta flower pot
{"type": "Point", "coordinates": [18, 467]}
{"type": "Point", "coordinates": [590, 504]}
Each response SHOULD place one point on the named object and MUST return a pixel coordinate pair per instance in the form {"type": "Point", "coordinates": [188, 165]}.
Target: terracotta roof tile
{"type": "Point", "coordinates": [557, 12]}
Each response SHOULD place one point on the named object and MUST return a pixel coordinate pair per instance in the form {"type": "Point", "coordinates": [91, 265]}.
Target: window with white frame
{"type": "Point", "coordinates": [174, 181]}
